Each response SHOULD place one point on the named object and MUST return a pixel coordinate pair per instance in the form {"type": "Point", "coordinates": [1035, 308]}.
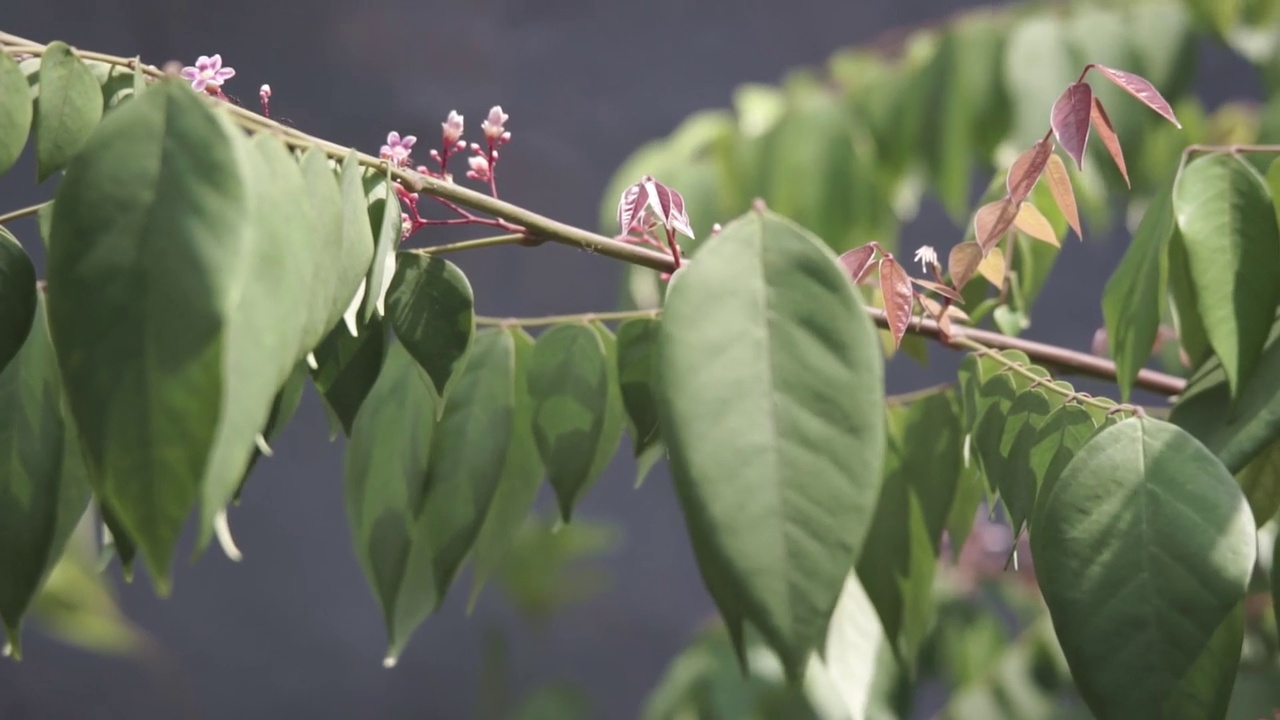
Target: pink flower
{"type": "Point", "coordinates": [494, 125]}
{"type": "Point", "coordinates": [452, 128]}
{"type": "Point", "coordinates": [479, 167]}
{"type": "Point", "coordinates": [207, 73]}
{"type": "Point", "coordinates": [397, 149]}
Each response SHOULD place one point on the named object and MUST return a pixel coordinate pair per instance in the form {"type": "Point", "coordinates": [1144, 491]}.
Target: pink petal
{"type": "Point", "coordinates": [407, 141]}
{"type": "Point", "coordinates": [225, 73]}
{"type": "Point", "coordinates": [199, 84]}
{"type": "Point", "coordinates": [393, 138]}
{"type": "Point", "coordinates": [190, 73]}
{"type": "Point", "coordinates": [217, 60]}
{"type": "Point", "coordinates": [203, 62]}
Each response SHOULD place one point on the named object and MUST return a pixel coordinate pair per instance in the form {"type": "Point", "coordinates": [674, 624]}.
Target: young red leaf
{"type": "Point", "coordinates": [649, 201]}
{"type": "Point", "coordinates": [899, 297]}
{"type": "Point", "coordinates": [1140, 88]}
{"type": "Point", "coordinates": [1055, 173]}
{"type": "Point", "coordinates": [857, 262]}
{"type": "Point", "coordinates": [1033, 222]}
{"type": "Point", "coordinates": [1070, 120]}
{"type": "Point", "coordinates": [963, 263]}
{"type": "Point", "coordinates": [934, 309]}
{"type": "Point", "coordinates": [1102, 124]}
{"type": "Point", "coordinates": [992, 267]}
{"type": "Point", "coordinates": [1025, 171]}
{"type": "Point", "coordinates": [992, 221]}
{"type": "Point", "coordinates": [939, 288]}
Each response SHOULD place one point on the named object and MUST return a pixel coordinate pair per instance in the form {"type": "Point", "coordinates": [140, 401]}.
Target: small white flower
{"type": "Point", "coordinates": [926, 256]}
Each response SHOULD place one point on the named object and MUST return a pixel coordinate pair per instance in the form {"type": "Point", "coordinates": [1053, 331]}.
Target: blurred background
{"type": "Point", "coordinates": [585, 623]}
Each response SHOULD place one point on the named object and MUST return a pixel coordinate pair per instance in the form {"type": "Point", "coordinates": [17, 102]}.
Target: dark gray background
{"type": "Point", "coordinates": [293, 631]}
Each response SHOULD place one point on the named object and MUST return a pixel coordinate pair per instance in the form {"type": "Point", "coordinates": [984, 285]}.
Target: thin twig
{"type": "Point", "coordinates": [512, 239]}
{"type": "Point", "coordinates": [22, 212]}
{"type": "Point", "coordinates": [545, 320]}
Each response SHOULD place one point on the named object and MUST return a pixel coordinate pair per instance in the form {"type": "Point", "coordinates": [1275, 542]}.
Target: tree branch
{"type": "Point", "coordinates": [540, 227]}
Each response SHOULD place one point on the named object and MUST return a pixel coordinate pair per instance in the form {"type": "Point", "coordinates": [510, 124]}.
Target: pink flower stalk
{"type": "Point", "coordinates": [208, 74]}
{"type": "Point", "coordinates": [397, 149]}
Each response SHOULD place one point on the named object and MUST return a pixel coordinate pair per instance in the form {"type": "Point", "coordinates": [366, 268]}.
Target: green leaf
{"type": "Point", "coordinates": [468, 454]}
{"type": "Point", "coordinates": [1260, 481]}
{"type": "Point", "coordinates": [118, 542]}
{"type": "Point", "coordinates": [432, 311]}
{"type": "Point", "coordinates": [1233, 251]}
{"type": "Point", "coordinates": [969, 495]}
{"type": "Point", "coordinates": [637, 346]}
{"type": "Point", "coordinates": [342, 247]}
{"type": "Point", "coordinates": [1144, 549]}
{"type": "Point", "coordinates": [994, 399]}
{"type": "Point", "coordinates": [1275, 578]}
{"type": "Point", "coordinates": [386, 468]}
{"type": "Point", "coordinates": [357, 232]}
{"type": "Point", "coordinates": [521, 475]}
{"type": "Point", "coordinates": [1017, 480]}
{"type": "Point", "coordinates": [69, 107]}
{"type": "Point", "coordinates": [17, 296]}
{"type": "Point", "coordinates": [384, 215]}
{"type": "Point", "coordinates": [569, 384]}
{"type": "Point", "coordinates": [142, 280]}
{"type": "Point", "coordinates": [922, 469]}
{"type": "Point", "coordinates": [777, 482]}
{"type": "Point", "coordinates": [947, 140]}
{"type": "Point", "coordinates": [615, 415]}
{"type": "Point", "coordinates": [1235, 432]}
{"type": "Point", "coordinates": [1135, 294]}
{"type": "Point", "coordinates": [1038, 64]}
{"type": "Point", "coordinates": [15, 112]}
{"type": "Point", "coordinates": [282, 411]}
{"type": "Point", "coordinates": [44, 486]}
{"type": "Point", "coordinates": [268, 330]}
{"type": "Point", "coordinates": [1054, 443]}
{"type": "Point", "coordinates": [1182, 296]}
{"type": "Point", "coordinates": [346, 368]}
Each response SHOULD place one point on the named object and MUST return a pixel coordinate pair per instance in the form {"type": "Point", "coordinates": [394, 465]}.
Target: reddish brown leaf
{"type": "Point", "coordinates": [1102, 124]}
{"type": "Point", "coordinates": [992, 221]}
{"type": "Point", "coordinates": [963, 263]}
{"type": "Point", "coordinates": [1070, 120]}
{"type": "Point", "coordinates": [992, 267]}
{"type": "Point", "coordinates": [1055, 173]}
{"type": "Point", "coordinates": [1033, 222]}
{"type": "Point", "coordinates": [1024, 171]}
{"type": "Point", "coordinates": [899, 297]}
{"type": "Point", "coordinates": [1140, 88]}
{"type": "Point", "coordinates": [939, 288]}
{"type": "Point", "coordinates": [934, 309]}
{"type": "Point", "coordinates": [648, 202]}
{"type": "Point", "coordinates": [857, 262]}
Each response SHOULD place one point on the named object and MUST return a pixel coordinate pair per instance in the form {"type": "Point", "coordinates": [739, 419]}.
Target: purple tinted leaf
{"type": "Point", "coordinates": [1102, 124]}
{"type": "Point", "coordinates": [963, 263]}
{"type": "Point", "coordinates": [939, 288]}
{"type": "Point", "coordinates": [992, 221]}
{"type": "Point", "coordinates": [632, 205]}
{"type": "Point", "coordinates": [1070, 120]}
{"type": "Point", "coordinates": [857, 262]}
{"type": "Point", "coordinates": [1026, 170]}
{"type": "Point", "coordinates": [650, 201]}
{"type": "Point", "coordinates": [899, 297]}
{"type": "Point", "coordinates": [1140, 88]}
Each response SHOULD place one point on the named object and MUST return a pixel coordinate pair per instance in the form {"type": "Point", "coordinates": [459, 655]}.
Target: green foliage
{"type": "Point", "coordinates": [17, 296]}
{"type": "Point", "coordinates": [69, 107]}
{"type": "Point", "coordinates": [777, 483]}
{"type": "Point", "coordinates": [15, 112]}
{"type": "Point", "coordinates": [431, 309]}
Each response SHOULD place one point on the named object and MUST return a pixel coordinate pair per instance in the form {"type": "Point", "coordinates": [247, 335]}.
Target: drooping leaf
{"type": "Point", "coordinates": [947, 146]}
{"type": "Point", "coordinates": [1228, 227]}
{"type": "Point", "coordinates": [384, 216]}
{"type": "Point", "coordinates": [1135, 293]}
{"type": "Point", "coordinates": [386, 470]}
{"type": "Point", "coordinates": [777, 484]}
{"type": "Point", "coordinates": [899, 297]}
{"type": "Point", "coordinates": [347, 367]}
{"type": "Point", "coordinates": [432, 311]}
{"type": "Point", "coordinates": [69, 108]}
{"type": "Point", "coordinates": [963, 262]}
{"type": "Point", "coordinates": [521, 474]}
{"type": "Point", "coordinates": [1182, 295]}
{"type": "Point", "coordinates": [1144, 550]}
{"type": "Point", "coordinates": [468, 454]}
{"type": "Point", "coordinates": [1260, 481]}
{"type": "Point", "coordinates": [344, 239]}
{"type": "Point", "coordinates": [569, 384]}
{"type": "Point", "coordinates": [267, 330]}
{"type": "Point", "coordinates": [116, 541]}
{"type": "Point", "coordinates": [15, 112]}
{"type": "Point", "coordinates": [1138, 87]}
{"type": "Point", "coordinates": [922, 468]}
{"type": "Point", "coordinates": [1070, 120]}
{"type": "Point", "coordinates": [1050, 448]}
{"type": "Point", "coordinates": [1236, 431]}
{"type": "Point", "coordinates": [17, 296]}
{"type": "Point", "coordinates": [1033, 222]}
{"type": "Point", "coordinates": [1102, 125]}
{"type": "Point", "coordinates": [1026, 170]}
{"type": "Point", "coordinates": [44, 485]}
{"type": "Point", "coordinates": [637, 349]}
{"type": "Point", "coordinates": [857, 262]}
{"type": "Point", "coordinates": [142, 280]}
{"type": "Point", "coordinates": [992, 221]}
{"type": "Point", "coordinates": [1055, 173]}
{"type": "Point", "coordinates": [1038, 61]}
